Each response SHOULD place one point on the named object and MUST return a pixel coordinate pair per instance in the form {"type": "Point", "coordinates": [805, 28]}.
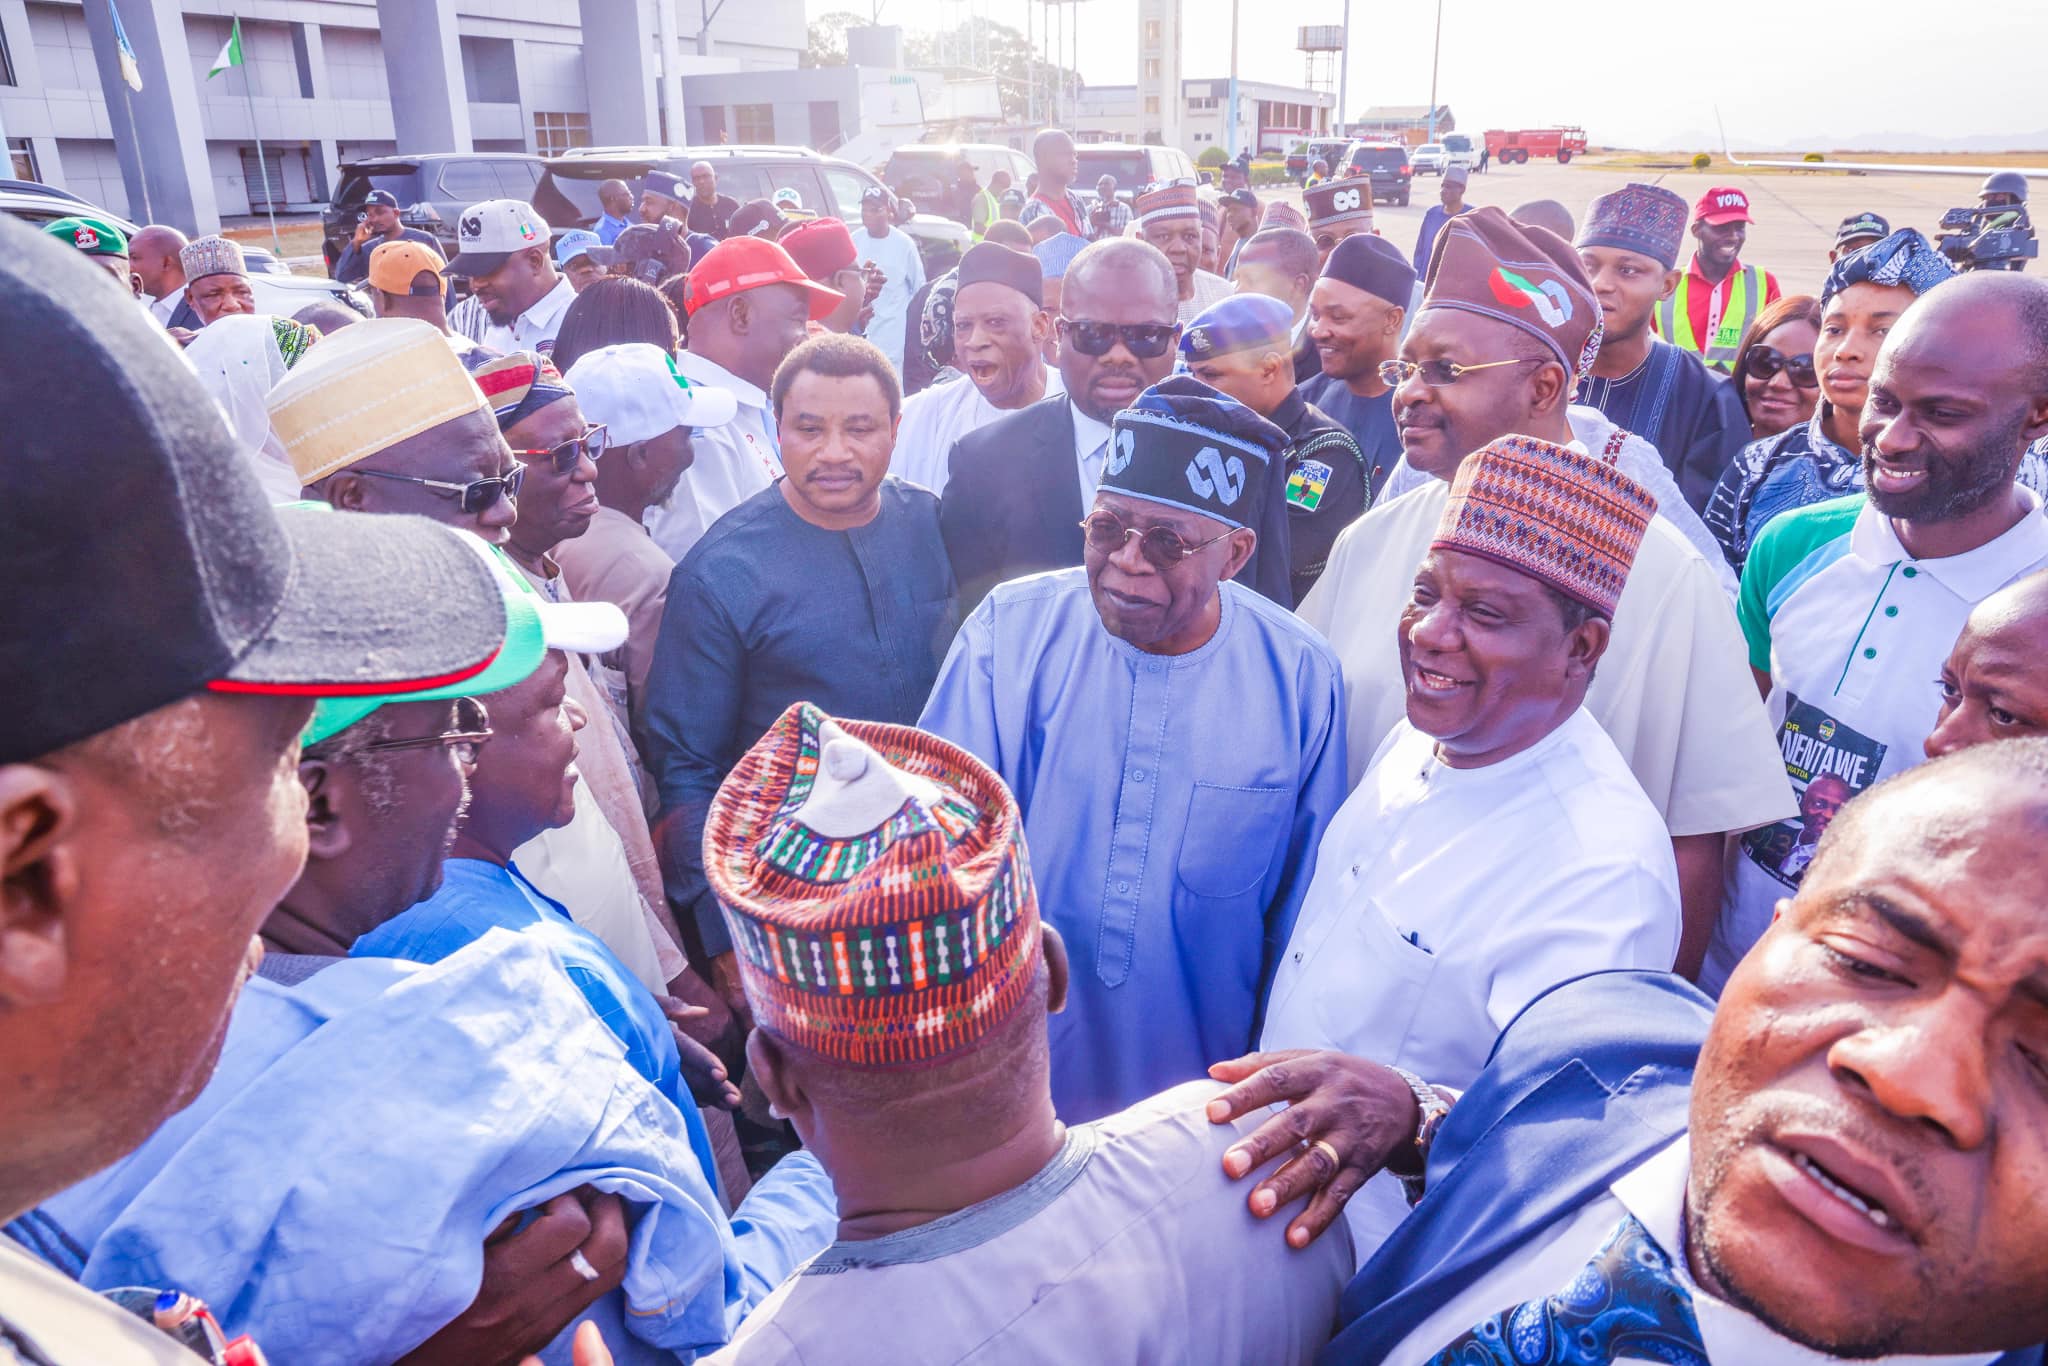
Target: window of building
{"type": "Point", "coordinates": [753, 123]}
{"type": "Point", "coordinates": [264, 180]}
{"type": "Point", "coordinates": [6, 64]}
{"type": "Point", "coordinates": [556, 133]}
{"type": "Point", "coordinates": [1152, 33]}
{"type": "Point", "coordinates": [1151, 68]}
{"type": "Point", "coordinates": [22, 154]}
{"type": "Point", "coordinates": [1152, 104]}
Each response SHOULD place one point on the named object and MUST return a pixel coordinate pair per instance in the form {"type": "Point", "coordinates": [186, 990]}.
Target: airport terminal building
{"type": "Point", "coordinates": [326, 81]}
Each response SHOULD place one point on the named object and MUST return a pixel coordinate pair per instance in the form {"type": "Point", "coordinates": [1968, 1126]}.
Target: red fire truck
{"type": "Point", "coordinates": [1513, 146]}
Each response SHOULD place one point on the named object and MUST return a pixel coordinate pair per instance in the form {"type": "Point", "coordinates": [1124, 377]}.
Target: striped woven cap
{"type": "Point", "coordinates": [876, 884]}
{"type": "Point", "coordinates": [1168, 200]}
{"type": "Point", "coordinates": [1559, 515]}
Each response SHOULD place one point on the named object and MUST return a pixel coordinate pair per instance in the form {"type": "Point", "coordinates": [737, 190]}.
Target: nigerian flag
{"type": "Point", "coordinates": [230, 52]}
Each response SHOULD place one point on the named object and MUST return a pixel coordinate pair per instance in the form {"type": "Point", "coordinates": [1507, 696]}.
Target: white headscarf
{"type": "Point", "coordinates": [239, 358]}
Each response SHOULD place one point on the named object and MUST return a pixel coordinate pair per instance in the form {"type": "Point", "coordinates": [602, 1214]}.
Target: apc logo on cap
{"type": "Point", "coordinates": [1344, 200]}
{"type": "Point", "coordinates": [526, 230]}
{"type": "Point", "coordinates": [1213, 476]}
{"type": "Point", "coordinates": [1549, 299]}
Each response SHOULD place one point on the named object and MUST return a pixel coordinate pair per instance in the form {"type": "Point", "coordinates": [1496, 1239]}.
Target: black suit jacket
{"type": "Point", "coordinates": [183, 316]}
{"type": "Point", "coordinates": [1012, 504]}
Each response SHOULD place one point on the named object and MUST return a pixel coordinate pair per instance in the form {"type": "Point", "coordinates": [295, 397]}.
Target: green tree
{"type": "Point", "coordinates": [1213, 158]}
{"type": "Point", "coordinates": [982, 47]}
{"type": "Point", "coordinates": [828, 38]}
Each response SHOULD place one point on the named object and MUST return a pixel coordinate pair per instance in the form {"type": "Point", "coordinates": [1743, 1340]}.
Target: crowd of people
{"type": "Point", "coordinates": [1192, 785]}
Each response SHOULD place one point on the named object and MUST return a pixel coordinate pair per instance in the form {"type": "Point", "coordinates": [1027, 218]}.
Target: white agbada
{"type": "Point", "coordinates": [239, 361]}
{"type": "Point", "coordinates": [1446, 899]}
{"type": "Point", "coordinates": [896, 253]}
{"type": "Point", "coordinates": [934, 418]}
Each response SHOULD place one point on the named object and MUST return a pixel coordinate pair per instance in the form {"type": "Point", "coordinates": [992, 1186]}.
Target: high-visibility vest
{"type": "Point", "coordinates": [982, 210]}
{"type": "Point", "coordinates": [1745, 300]}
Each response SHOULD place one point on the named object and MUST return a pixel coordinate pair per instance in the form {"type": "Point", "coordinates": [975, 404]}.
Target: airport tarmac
{"type": "Point", "coordinates": [1796, 212]}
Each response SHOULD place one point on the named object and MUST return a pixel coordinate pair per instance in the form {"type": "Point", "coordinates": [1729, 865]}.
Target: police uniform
{"type": "Point", "coordinates": [1327, 488]}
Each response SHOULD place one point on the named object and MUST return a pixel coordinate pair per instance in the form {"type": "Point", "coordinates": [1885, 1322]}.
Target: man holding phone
{"type": "Point", "coordinates": [377, 223]}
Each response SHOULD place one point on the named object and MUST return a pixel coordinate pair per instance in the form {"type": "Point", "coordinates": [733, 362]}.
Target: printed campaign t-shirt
{"type": "Point", "coordinates": [1853, 631]}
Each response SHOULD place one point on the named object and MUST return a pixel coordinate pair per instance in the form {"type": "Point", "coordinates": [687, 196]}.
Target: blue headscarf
{"type": "Point", "coordinates": [1905, 258]}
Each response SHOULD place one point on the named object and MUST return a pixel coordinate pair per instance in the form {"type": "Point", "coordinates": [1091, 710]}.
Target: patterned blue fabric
{"type": "Point", "coordinates": [1626, 1304]}
{"type": "Point", "coordinates": [1905, 258]}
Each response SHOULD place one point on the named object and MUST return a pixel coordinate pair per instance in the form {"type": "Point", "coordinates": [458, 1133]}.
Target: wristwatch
{"type": "Point", "coordinates": [1433, 1108]}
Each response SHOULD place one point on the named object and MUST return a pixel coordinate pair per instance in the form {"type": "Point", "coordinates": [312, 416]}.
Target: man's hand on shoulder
{"type": "Point", "coordinates": [1345, 1118]}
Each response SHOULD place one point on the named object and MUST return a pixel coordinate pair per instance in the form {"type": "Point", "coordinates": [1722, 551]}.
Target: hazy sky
{"type": "Point", "coordinates": [1605, 63]}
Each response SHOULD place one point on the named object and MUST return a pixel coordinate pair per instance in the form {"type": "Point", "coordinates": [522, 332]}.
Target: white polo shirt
{"type": "Point", "coordinates": [535, 329]}
{"type": "Point", "coordinates": [1853, 631]}
{"type": "Point", "coordinates": [1444, 900]}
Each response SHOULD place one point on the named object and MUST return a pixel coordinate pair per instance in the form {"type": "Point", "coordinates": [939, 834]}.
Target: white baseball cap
{"type": "Point", "coordinates": [636, 391]}
{"type": "Point", "coordinates": [488, 234]}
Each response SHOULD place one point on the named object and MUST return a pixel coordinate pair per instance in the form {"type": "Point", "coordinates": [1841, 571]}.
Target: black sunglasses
{"type": "Point", "coordinates": [476, 496]}
{"type": "Point", "coordinates": [567, 456]}
{"type": "Point", "coordinates": [1146, 341]}
{"type": "Point", "coordinates": [1161, 546]}
{"type": "Point", "coordinates": [1766, 361]}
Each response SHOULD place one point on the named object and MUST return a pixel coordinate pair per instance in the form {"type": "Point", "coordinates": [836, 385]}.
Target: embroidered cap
{"type": "Point", "coordinates": [1484, 262]}
{"type": "Point", "coordinates": [1646, 219]}
{"type": "Point", "coordinates": [876, 884]}
{"type": "Point", "coordinates": [1185, 445]}
{"type": "Point", "coordinates": [519, 385]}
{"type": "Point", "coordinates": [1339, 201]}
{"type": "Point", "coordinates": [211, 256]}
{"type": "Point", "coordinates": [365, 389]}
{"type": "Point", "coordinates": [1565, 518]}
{"type": "Point", "coordinates": [1163, 203]}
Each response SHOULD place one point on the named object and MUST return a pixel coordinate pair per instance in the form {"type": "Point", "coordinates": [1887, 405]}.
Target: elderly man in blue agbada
{"type": "Point", "coordinates": [1176, 743]}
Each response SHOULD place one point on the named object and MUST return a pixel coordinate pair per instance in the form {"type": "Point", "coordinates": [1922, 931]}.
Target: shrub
{"type": "Point", "coordinates": [1813, 156]}
{"type": "Point", "coordinates": [1212, 158]}
{"type": "Point", "coordinates": [1701, 161]}
{"type": "Point", "coordinates": [1271, 173]}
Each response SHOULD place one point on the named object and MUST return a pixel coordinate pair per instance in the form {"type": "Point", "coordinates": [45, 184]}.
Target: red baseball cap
{"type": "Point", "coordinates": [822, 246]}
{"type": "Point", "coordinates": [1723, 204]}
{"type": "Point", "coordinates": [742, 263]}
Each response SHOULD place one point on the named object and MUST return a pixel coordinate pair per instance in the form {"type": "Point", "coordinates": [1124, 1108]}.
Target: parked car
{"type": "Point", "coordinates": [1134, 165]}
{"type": "Point", "coordinates": [432, 191]}
{"type": "Point", "coordinates": [1429, 159]}
{"type": "Point", "coordinates": [276, 289]}
{"type": "Point", "coordinates": [1459, 151]}
{"type": "Point", "coordinates": [927, 173]}
{"type": "Point", "coordinates": [567, 194]}
{"type": "Point", "coordinates": [1329, 151]}
{"type": "Point", "coordinates": [1387, 164]}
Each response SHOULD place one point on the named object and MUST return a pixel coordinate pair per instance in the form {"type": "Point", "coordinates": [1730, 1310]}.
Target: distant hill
{"type": "Point", "coordinates": [1701, 140]}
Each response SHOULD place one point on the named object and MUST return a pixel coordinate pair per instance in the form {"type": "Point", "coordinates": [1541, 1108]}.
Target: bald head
{"type": "Point", "coordinates": [153, 256]}
{"type": "Point", "coordinates": [1994, 685]}
{"type": "Point", "coordinates": [1053, 152]}
{"type": "Point", "coordinates": [1122, 268]}
{"type": "Point", "coordinates": [617, 197]}
{"type": "Point", "coordinates": [2005, 311]}
{"type": "Point", "coordinates": [1547, 213]}
{"type": "Point", "coordinates": [1281, 263]}
{"type": "Point", "coordinates": [1010, 233]}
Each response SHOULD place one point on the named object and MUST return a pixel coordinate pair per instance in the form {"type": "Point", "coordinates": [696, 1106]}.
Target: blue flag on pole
{"type": "Point", "coordinates": [131, 71]}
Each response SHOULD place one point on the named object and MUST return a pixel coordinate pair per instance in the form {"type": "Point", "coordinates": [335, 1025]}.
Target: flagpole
{"type": "Point", "coordinates": [135, 136]}
{"type": "Point", "coordinates": [262, 168]}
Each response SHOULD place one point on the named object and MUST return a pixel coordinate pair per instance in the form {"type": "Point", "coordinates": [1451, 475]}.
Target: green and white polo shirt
{"type": "Point", "coordinates": [1853, 632]}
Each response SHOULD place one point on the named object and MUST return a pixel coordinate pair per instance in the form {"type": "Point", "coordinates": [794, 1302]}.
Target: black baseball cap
{"type": "Point", "coordinates": [662, 243]}
{"type": "Point", "coordinates": [149, 563]}
{"type": "Point", "coordinates": [382, 199]}
{"type": "Point", "coordinates": [1862, 225]}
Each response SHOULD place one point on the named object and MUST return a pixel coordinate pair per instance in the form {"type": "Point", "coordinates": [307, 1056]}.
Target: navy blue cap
{"type": "Point", "coordinates": [1183, 444]}
{"type": "Point", "coordinates": [1857, 225]}
{"type": "Point", "coordinates": [1242, 322]}
{"type": "Point", "coordinates": [668, 186]}
{"type": "Point", "coordinates": [1374, 265]}
{"type": "Point", "coordinates": [382, 199]}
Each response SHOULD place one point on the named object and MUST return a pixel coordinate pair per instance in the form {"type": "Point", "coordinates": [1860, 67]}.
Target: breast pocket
{"type": "Point", "coordinates": [1370, 980]}
{"type": "Point", "coordinates": [1232, 836]}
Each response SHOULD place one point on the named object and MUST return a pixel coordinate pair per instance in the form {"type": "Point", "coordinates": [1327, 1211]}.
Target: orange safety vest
{"type": "Point", "coordinates": [1673, 318]}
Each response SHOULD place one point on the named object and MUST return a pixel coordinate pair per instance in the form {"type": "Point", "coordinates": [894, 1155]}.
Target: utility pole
{"type": "Point", "coordinates": [1436, 48]}
{"type": "Point", "coordinates": [1344, 70]}
{"type": "Point", "coordinates": [1230, 124]}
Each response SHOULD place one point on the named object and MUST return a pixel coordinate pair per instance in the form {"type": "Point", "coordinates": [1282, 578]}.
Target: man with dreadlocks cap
{"type": "Point", "coordinates": [1508, 325]}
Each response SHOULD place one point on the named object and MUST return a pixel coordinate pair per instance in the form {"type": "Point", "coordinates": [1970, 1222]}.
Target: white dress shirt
{"type": "Point", "coordinates": [935, 418]}
{"type": "Point", "coordinates": [163, 308]}
{"type": "Point", "coordinates": [1654, 1192]}
{"type": "Point", "coordinates": [1091, 450]}
{"type": "Point", "coordinates": [1446, 899]}
{"type": "Point", "coordinates": [732, 464]}
{"type": "Point", "coordinates": [535, 329]}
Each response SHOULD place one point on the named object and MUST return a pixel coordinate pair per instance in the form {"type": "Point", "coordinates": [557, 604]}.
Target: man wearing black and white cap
{"type": "Point", "coordinates": [505, 256]}
{"type": "Point", "coordinates": [1858, 231]}
{"type": "Point", "coordinates": [1356, 315]}
{"type": "Point", "coordinates": [379, 223]}
{"type": "Point", "coordinates": [160, 667]}
{"type": "Point", "coordinates": [892, 252]}
{"type": "Point", "coordinates": [1000, 327]}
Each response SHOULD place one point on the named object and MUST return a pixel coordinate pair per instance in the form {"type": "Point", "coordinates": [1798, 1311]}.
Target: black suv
{"type": "Point", "coordinates": [1387, 164]}
{"type": "Point", "coordinates": [432, 191]}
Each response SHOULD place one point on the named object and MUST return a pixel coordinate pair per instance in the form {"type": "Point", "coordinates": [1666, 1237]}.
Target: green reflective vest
{"type": "Point", "coordinates": [1745, 301]}
{"type": "Point", "coordinates": [982, 210]}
